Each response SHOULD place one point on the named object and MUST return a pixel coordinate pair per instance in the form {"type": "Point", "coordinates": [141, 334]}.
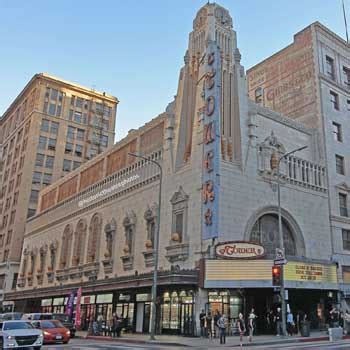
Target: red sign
{"type": "Point", "coordinates": [77, 312]}
{"type": "Point", "coordinates": [239, 250]}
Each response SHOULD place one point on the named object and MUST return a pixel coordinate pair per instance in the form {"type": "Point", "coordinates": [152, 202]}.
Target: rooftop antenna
{"type": "Point", "coordinates": [346, 25]}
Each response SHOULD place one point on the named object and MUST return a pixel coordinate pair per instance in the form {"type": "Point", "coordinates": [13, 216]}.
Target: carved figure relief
{"type": "Point", "coordinates": [25, 261]}
{"type": "Point", "coordinates": [129, 223]}
{"type": "Point", "coordinates": [211, 58]}
{"type": "Point", "coordinates": [150, 217]}
{"type": "Point", "coordinates": [208, 217]}
{"type": "Point", "coordinates": [209, 133]}
{"type": "Point", "coordinates": [110, 230]}
{"type": "Point", "coordinates": [208, 192]}
{"type": "Point", "coordinates": [79, 243]}
{"type": "Point", "coordinates": [42, 253]}
{"type": "Point", "coordinates": [53, 251]}
{"type": "Point", "coordinates": [210, 106]}
{"type": "Point", "coordinates": [66, 246]}
{"type": "Point", "coordinates": [95, 230]}
{"type": "Point", "coordinates": [208, 161]}
{"type": "Point", "coordinates": [33, 255]}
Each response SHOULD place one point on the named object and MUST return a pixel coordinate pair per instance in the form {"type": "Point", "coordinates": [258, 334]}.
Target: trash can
{"type": "Point", "coordinates": [305, 329]}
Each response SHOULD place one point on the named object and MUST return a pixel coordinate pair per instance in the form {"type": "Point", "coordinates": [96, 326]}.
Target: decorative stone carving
{"type": "Point", "coordinates": [66, 246]}
{"type": "Point", "coordinates": [223, 17]}
{"type": "Point", "coordinates": [150, 217]}
{"type": "Point", "coordinates": [42, 255]}
{"type": "Point", "coordinates": [110, 231]}
{"type": "Point", "coordinates": [177, 252]}
{"type": "Point", "coordinates": [25, 262]}
{"type": "Point", "coordinates": [129, 224]}
{"type": "Point", "coordinates": [79, 243]}
{"type": "Point", "coordinates": [209, 133]}
{"type": "Point", "coordinates": [95, 229]}
{"type": "Point", "coordinates": [51, 268]}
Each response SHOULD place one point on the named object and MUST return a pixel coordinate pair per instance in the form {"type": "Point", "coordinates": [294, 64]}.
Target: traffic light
{"type": "Point", "coordinates": [276, 275]}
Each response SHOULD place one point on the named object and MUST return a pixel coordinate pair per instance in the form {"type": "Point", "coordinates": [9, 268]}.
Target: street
{"type": "Point", "coordinates": [80, 344]}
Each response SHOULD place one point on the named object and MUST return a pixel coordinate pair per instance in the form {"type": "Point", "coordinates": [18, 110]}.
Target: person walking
{"type": "Point", "coordinates": [202, 323]}
{"type": "Point", "coordinates": [334, 317]}
{"type": "Point", "coordinates": [290, 323]}
{"type": "Point", "coordinates": [346, 322]}
{"type": "Point", "coordinates": [222, 324]}
{"type": "Point", "coordinates": [241, 328]}
{"type": "Point", "coordinates": [209, 327]}
{"type": "Point", "coordinates": [216, 319]}
{"type": "Point", "coordinates": [251, 324]}
{"type": "Point", "coordinates": [278, 319]}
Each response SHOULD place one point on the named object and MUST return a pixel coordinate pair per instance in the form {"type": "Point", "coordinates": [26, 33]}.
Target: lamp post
{"type": "Point", "coordinates": [156, 247]}
{"type": "Point", "coordinates": [280, 235]}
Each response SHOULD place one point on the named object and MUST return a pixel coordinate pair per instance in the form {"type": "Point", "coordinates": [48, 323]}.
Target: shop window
{"type": "Point", "coordinates": [265, 232]}
{"type": "Point", "coordinates": [346, 274]}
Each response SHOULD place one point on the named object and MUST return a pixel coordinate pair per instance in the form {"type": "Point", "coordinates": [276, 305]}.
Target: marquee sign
{"type": "Point", "coordinates": [239, 250]}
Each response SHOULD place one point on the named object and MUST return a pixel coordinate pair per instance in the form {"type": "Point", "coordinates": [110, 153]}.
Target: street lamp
{"type": "Point", "coordinates": [156, 247]}
{"type": "Point", "coordinates": [280, 235]}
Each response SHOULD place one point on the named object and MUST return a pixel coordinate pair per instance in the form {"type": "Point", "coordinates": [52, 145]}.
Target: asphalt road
{"type": "Point", "coordinates": [79, 344]}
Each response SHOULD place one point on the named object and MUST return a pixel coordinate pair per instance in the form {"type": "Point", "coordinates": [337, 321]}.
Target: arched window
{"type": "Point", "coordinates": [95, 230]}
{"type": "Point", "coordinates": [265, 232]}
{"type": "Point", "coordinates": [79, 243]}
{"type": "Point", "coordinates": [66, 246]}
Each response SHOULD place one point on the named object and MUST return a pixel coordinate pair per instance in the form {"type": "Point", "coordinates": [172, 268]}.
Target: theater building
{"type": "Point", "coordinates": [95, 227]}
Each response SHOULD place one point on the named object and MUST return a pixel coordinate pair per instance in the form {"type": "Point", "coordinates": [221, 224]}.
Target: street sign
{"type": "Point", "coordinates": [280, 262]}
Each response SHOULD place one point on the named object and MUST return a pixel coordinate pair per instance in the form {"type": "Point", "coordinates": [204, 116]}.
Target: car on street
{"type": "Point", "coordinates": [66, 321]}
{"type": "Point", "coordinates": [19, 334]}
{"type": "Point", "coordinates": [11, 316]}
{"type": "Point", "coordinates": [37, 316]}
{"type": "Point", "coordinates": [53, 331]}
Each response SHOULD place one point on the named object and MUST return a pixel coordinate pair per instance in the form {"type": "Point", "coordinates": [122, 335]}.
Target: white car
{"type": "Point", "coordinates": [19, 334]}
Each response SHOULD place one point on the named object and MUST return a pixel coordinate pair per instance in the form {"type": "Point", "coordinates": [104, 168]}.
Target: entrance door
{"type": "Point", "coordinates": [146, 317]}
{"type": "Point", "coordinates": [139, 317]}
{"type": "Point", "coordinates": [186, 319]}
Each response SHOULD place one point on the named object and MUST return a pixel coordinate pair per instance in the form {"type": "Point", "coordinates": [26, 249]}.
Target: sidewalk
{"type": "Point", "coordinates": [173, 340]}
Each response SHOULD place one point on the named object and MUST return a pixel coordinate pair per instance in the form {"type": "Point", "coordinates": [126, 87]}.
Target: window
{"type": "Point", "coordinates": [30, 213]}
{"type": "Point", "coordinates": [42, 142]}
{"type": "Point", "coordinates": [346, 239]}
{"type": "Point", "coordinates": [337, 132]}
{"type": "Point", "coordinates": [348, 104]}
{"type": "Point", "coordinates": [6, 255]}
{"type": "Point", "coordinates": [69, 148]}
{"type": "Point", "coordinates": [45, 125]}
{"type": "Point", "coordinates": [14, 281]}
{"type": "Point", "coordinates": [77, 117]}
{"type": "Point", "coordinates": [79, 102]}
{"type": "Point", "coordinates": [51, 145]}
{"type": "Point", "coordinates": [335, 100]}
{"type": "Point", "coordinates": [21, 162]}
{"type": "Point", "coordinates": [49, 162]}
{"type": "Point", "coordinates": [39, 159]}
{"type": "Point", "coordinates": [80, 134]}
{"type": "Point", "coordinates": [47, 179]}
{"type": "Point", "coordinates": [54, 128]}
{"type": "Point", "coordinates": [346, 72]}
{"type": "Point", "coordinates": [339, 164]}
{"type": "Point", "coordinates": [259, 95]}
{"type": "Point", "coordinates": [9, 237]}
{"type": "Point", "coordinates": [104, 140]}
{"type": "Point", "coordinates": [70, 132]}
{"type": "Point", "coordinates": [15, 198]}
{"type": "Point", "coordinates": [343, 204]}
{"type": "Point", "coordinates": [78, 150]}
{"type": "Point", "coordinates": [36, 178]}
{"type": "Point", "coordinates": [52, 109]}
{"type": "Point", "coordinates": [99, 108]}
{"type": "Point", "coordinates": [76, 165]}
{"type": "Point", "coordinates": [34, 196]}
{"type": "Point", "coordinates": [67, 165]}
{"type": "Point", "coordinates": [18, 180]}
{"type": "Point", "coordinates": [330, 67]}
{"type": "Point", "coordinates": [12, 217]}
{"type": "Point", "coordinates": [105, 124]}
{"type": "Point", "coordinates": [107, 111]}
{"type": "Point", "coordinates": [11, 184]}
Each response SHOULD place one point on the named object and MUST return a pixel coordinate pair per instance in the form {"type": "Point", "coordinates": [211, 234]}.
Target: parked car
{"type": "Point", "coordinates": [12, 316]}
{"type": "Point", "coordinates": [66, 321]}
{"type": "Point", "coordinates": [37, 316]}
{"type": "Point", "coordinates": [53, 330]}
{"type": "Point", "coordinates": [19, 334]}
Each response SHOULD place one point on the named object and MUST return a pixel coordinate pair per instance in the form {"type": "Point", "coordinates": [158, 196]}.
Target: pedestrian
{"type": "Point", "coordinates": [290, 323]}
{"type": "Point", "coordinates": [209, 327]}
{"type": "Point", "coordinates": [99, 324]}
{"type": "Point", "coordinates": [202, 323]}
{"type": "Point", "coordinates": [346, 322]}
{"type": "Point", "coordinates": [118, 325]}
{"type": "Point", "coordinates": [251, 324]}
{"type": "Point", "coordinates": [334, 317]}
{"type": "Point", "coordinates": [241, 328]}
{"type": "Point", "coordinates": [278, 320]}
{"type": "Point", "coordinates": [216, 319]}
{"type": "Point", "coordinates": [222, 324]}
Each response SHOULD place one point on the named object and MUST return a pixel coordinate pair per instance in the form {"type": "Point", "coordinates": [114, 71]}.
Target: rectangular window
{"type": "Point", "coordinates": [80, 134]}
{"type": "Point", "coordinates": [69, 148]}
{"type": "Point", "coordinates": [346, 239]}
{"type": "Point", "coordinates": [179, 222]}
{"type": "Point", "coordinates": [14, 281]}
{"type": "Point", "coordinates": [18, 180]}
{"type": "Point", "coordinates": [47, 179]}
{"type": "Point", "coordinates": [12, 217]}
{"type": "Point", "coordinates": [70, 132]}
{"type": "Point", "coordinates": [104, 140]}
{"type": "Point", "coordinates": [99, 108]}
{"type": "Point", "coordinates": [54, 128]}
{"type": "Point", "coordinates": [78, 150]}
{"type": "Point", "coordinates": [30, 213]}
{"type": "Point", "coordinates": [39, 159]}
{"type": "Point", "coordinates": [71, 114]}
{"type": "Point", "coordinates": [44, 125]}
{"type": "Point", "coordinates": [79, 102]}
{"type": "Point", "coordinates": [107, 111]}
{"type": "Point", "coordinates": [343, 205]}
{"type": "Point", "coordinates": [339, 164]}
{"type": "Point", "coordinates": [67, 165]}
{"type": "Point", "coordinates": [54, 94]}
{"type": "Point", "coordinates": [36, 178]}
{"type": "Point", "coordinates": [51, 144]}
{"type": "Point", "coordinates": [348, 104]}
{"type": "Point", "coordinates": [15, 198]}
{"type": "Point", "coordinates": [76, 165]}
{"type": "Point", "coordinates": [334, 100]}
{"type": "Point", "coordinates": [52, 109]}
{"type": "Point", "coordinates": [346, 72]}
{"type": "Point", "coordinates": [42, 142]}
{"type": "Point", "coordinates": [337, 132]}
{"type": "Point", "coordinates": [49, 162]}
{"type": "Point", "coordinates": [34, 196]}
{"type": "Point", "coordinates": [330, 67]}
{"type": "Point", "coordinates": [59, 109]}
{"type": "Point", "coordinates": [77, 117]}
{"type": "Point", "coordinates": [6, 255]}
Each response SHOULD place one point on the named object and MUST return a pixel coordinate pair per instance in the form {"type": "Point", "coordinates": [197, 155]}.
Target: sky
{"type": "Point", "coordinates": [134, 49]}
